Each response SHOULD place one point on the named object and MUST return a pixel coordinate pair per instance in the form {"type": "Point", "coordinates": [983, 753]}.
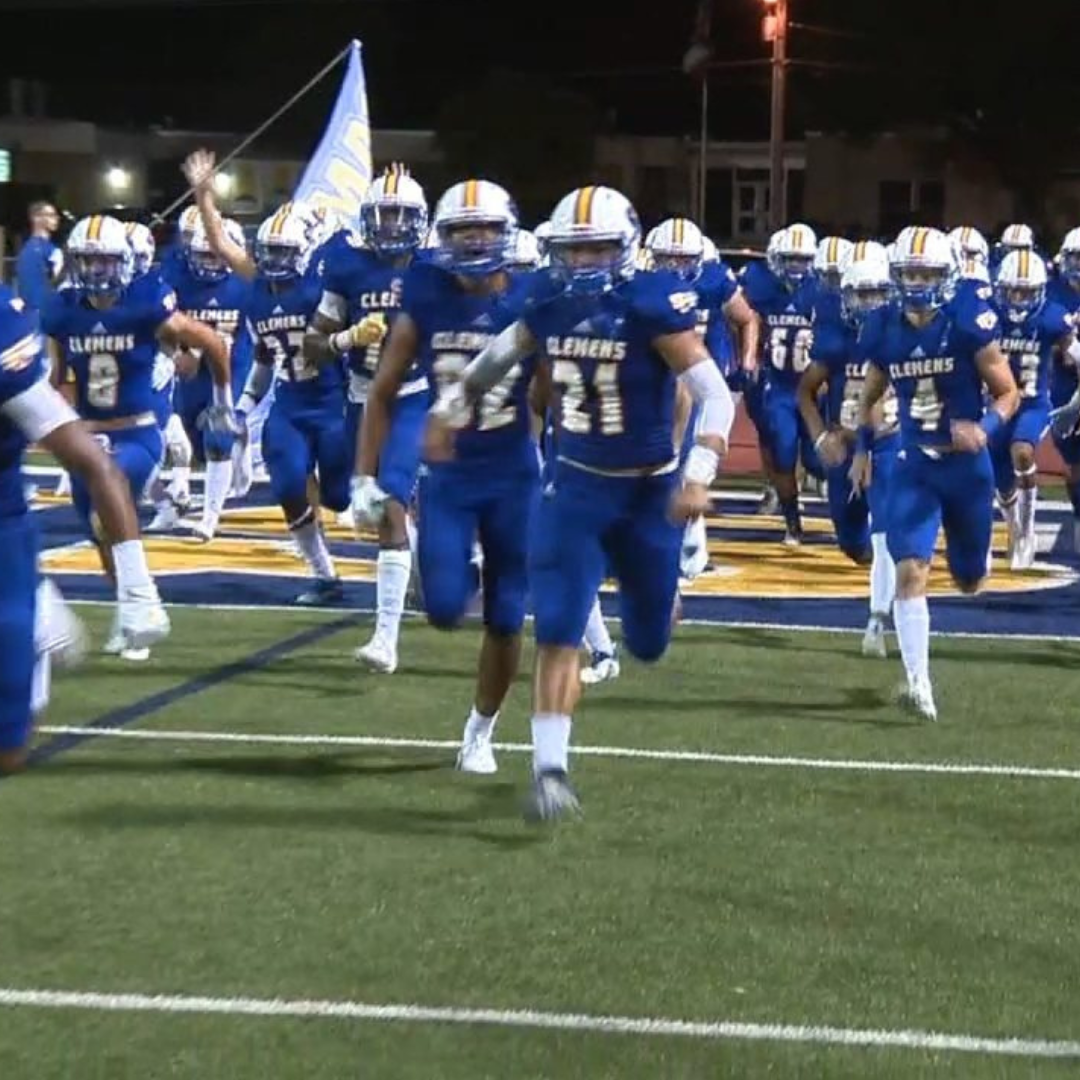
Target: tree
{"type": "Point", "coordinates": [537, 140]}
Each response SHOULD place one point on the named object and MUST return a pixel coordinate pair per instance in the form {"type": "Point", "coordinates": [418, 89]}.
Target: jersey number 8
{"type": "Point", "coordinates": [102, 381]}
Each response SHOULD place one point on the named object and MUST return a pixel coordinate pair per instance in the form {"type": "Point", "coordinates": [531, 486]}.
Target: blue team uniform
{"type": "Point", "coordinates": [305, 428]}
{"type": "Point", "coordinates": [1029, 345]}
{"type": "Point", "coordinates": [221, 305]}
{"type": "Point", "coordinates": [936, 380]}
{"type": "Point", "coordinates": [370, 285]}
{"type": "Point", "coordinates": [111, 354]}
{"type": "Point", "coordinates": [786, 339]}
{"type": "Point", "coordinates": [854, 519]}
{"type": "Point", "coordinates": [22, 364]}
{"type": "Point", "coordinates": [1063, 374]}
{"type": "Point", "coordinates": [714, 287]}
{"type": "Point", "coordinates": [489, 490]}
{"type": "Point", "coordinates": [607, 499]}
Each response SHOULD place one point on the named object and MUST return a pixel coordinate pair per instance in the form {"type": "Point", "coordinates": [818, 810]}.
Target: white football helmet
{"type": "Point", "coordinates": [710, 255]}
{"type": "Point", "coordinates": [1020, 288]}
{"type": "Point", "coordinates": [99, 255]}
{"type": "Point", "coordinates": [972, 269]}
{"type": "Point", "coordinates": [677, 244]}
{"type": "Point", "coordinates": [969, 243]}
{"type": "Point", "coordinates": [830, 257]}
{"type": "Point", "coordinates": [189, 222]}
{"type": "Point", "coordinates": [476, 224]}
{"type": "Point", "coordinates": [235, 232]}
{"type": "Point", "coordinates": [1068, 257]}
{"type": "Point", "coordinates": [1017, 237]}
{"type": "Point", "coordinates": [790, 253]}
{"type": "Point", "coordinates": [865, 282]}
{"type": "Point", "coordinates": [393, 213]}
{"type": "Point", "coordinates": [281, 244]}
{"type": "Point", "coordinates": [924, 268]}
{"type": "Point", "coordinates": [141, 241]}
{"type": "Point", "coordinates": [595, 238]}
{"type": "Point", "coordinates": [526, 253]}
{"type": "Point", "coordinates": [203, 262]}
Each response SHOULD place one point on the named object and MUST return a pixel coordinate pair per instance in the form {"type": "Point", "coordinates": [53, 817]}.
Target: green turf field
{"type": "Point", "coordinates": [802, 891]}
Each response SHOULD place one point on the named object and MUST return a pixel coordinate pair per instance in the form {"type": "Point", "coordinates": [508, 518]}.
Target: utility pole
{"type": "Point", "coordinates": [774, 28]}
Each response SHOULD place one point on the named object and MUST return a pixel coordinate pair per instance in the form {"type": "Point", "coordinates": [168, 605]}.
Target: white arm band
{"type": "Point", "coordinates": [716, 415]}
{"type": "Point", "coordinates": [711, 394]}
{"type": "Point", "coordinates": [495, 360]}
{"type": "Point", "coordinates": [334, 307]}
{"type": "Point", "coordinates": [222, 395]}
{"type": "Point", "coordinates": [258, 383]}
{"type": "Point", "coordinates": [38, 411]}
{"type": "Point", "coordinates": [1073, 351]}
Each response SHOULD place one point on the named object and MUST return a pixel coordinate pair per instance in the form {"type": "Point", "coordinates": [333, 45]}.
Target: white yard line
{"type": "Point", "coordinates": [530, 1018]}
{"type": "Point", "coordinates": [734, 624]}
{"type": "Point", "coordinates": [702, 757]}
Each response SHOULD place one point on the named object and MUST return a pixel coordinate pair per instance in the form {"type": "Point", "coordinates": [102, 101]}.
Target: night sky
{"type": "Point", "coordinates": [225, 64]}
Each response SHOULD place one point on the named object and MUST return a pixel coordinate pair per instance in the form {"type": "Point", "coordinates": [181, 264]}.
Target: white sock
{"type": "Point", "coordinates": [129, 562]}
{"type": "Point", "coordinates": [412, 534]}
{"type": "Point", "coordinates": [1010, 511]}
{"type": "Point", "coordinates": [913, 631]}
{"type": "Point", "coordinates": [1025, 505]}
{"type": "Point", "coordinates": [597, 638]}
{"type": "Point", "coordinates": [312, 545]}
{"type": "Point", "coordinates": [882, 577]}
{"type": "Point", "coordinates": [695, 548]}
{"type": "Point", "coordinates": [391, 583]}
{"type": "Point", "coordinates": [478, 726]}
{"type": "Point", "coordinates": [551, 742]}
{"type": "Point", "coordinates": [180, 488]}
{"type": "Point", "coordinates": [218, 482]}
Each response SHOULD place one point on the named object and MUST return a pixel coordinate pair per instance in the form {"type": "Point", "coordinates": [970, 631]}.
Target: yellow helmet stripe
{"type": "Point", "coordinates": [1025, 264]}
{"type": "Point", "coordinates": [583, 205]}
{"type": "Point", "coordinates": [830, 251]}
{"type": "Point", "coordinates": [918, 241]}
{"type": "Point", "coordinates": [680, 228]}
{"type": "Point", "coordinates": [93, 230]}
{"type": "Point", "coordinates": [392, 179]}
{"type": "Point", "coordinates": [471, 199]}
{"type": "Point", "coordinates": [279, 220]}
{"type": "Point", "coordinates": [860, 250]}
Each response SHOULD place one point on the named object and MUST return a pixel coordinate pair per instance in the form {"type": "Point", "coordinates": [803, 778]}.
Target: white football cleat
{"type": "Point", "coordinates": [873, 642]}
{"type": "Point", "coordinates": [477, 756]}
{"type": "Point", "coordinates": [58, 630]}
{"type": "Point", "coordinates": [165, 519]}
{"type": "Point", "coordinates": [378, 655]}
{"type": "Point", "coordinates": [918, 698]}
{"type": "Point", "coordinates": [604, 667]}
{"type": "Point", "coordinates": [142, 618]}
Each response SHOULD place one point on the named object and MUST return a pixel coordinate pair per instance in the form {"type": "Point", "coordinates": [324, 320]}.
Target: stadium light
{"type": "Point", "coordinates": [223, 184]}
{"type": "Point", "coordinates": [117, 179]}
{"type": "Point", "coordinates": [774, 31]}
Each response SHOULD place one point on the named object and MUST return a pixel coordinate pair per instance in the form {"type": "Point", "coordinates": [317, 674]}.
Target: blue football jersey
{"type": "Point", "coordinates": [454, 324]}
{"type": "Point", "coordinates": [22, 364]}
{"type": "Point", "coordinates": [278, 317]}
{"type": "Point", "coordinates": [932, 368]}
{"type": "Point", "coordinates": [715, 287]}
{"type": "Point", "coordinates": [1029, 345]}
{"type": "Point", "coordinates": [616, 394]}
{"type": "Point", "coordinates": [788, 333]}
{"type": "Point", "coordinates": [221, 305]}
{"type": "Point", "coordinates": [1064, 378]}
{"type": "Point", "coordinates": [357, 282]}
{"type": "Point", "coordinates": [110, 352]}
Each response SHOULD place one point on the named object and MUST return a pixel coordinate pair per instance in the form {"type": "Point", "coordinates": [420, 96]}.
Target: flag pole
{"type": "Point", "coordinates": [264, 126]}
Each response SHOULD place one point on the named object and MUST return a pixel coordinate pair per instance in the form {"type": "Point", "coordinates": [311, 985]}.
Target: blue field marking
{"type": "Point", "coordinates": [137, 710]}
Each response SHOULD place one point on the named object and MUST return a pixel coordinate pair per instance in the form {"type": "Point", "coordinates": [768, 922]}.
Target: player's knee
{"type": "Point", "coordinates": [969, 586]}
{"type": "Point", "coordinates": [445, 603]}
{"type": "Point", "coordinates": [911, 578]}
{"type": "Point", "coordinates": [861, 554]}
{"type": "Point", "coordinates": [647, 644]}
